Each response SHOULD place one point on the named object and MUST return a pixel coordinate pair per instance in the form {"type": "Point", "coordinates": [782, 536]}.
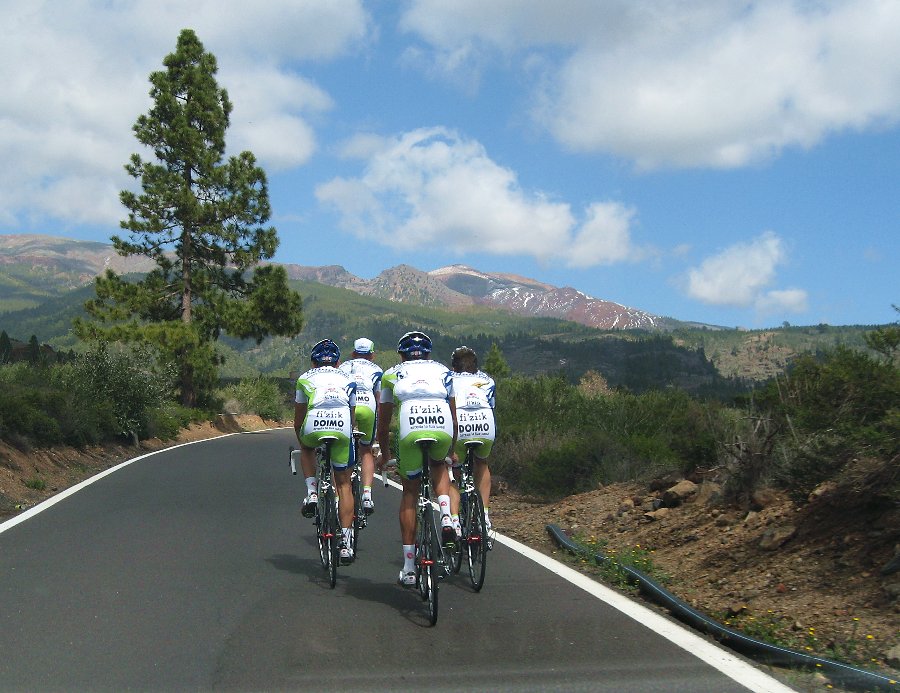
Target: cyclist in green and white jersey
{"type": "Point", "coordinates": [422, 388]}
{"type": "Point", "coordinates": [473, 391]}
{"type": "Point", "coordinates": [367, 375]}
{"type": "Point", "coordinates": [324, 406]}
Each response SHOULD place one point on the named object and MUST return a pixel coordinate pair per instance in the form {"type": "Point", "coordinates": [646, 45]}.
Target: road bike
{"type": "Point", "coordinates": [474, 541]}
{"type": "Point", "coordinates": [328, 527]}
{"type": "Point", "coordinates": [431, 561]}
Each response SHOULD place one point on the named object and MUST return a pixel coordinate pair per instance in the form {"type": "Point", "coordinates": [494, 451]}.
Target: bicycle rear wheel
{"type": "Point", "coordinates": [427, 564]}
{"type": "Point", "coordinates": [332, 536]}
{"type": "Point", "coordinates": [475, 539]}
{"type": "Point", "coordinates": [324, 549]}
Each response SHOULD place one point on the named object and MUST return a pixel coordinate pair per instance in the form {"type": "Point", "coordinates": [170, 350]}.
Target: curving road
{"type": "Point", "coordinates": [191, 568]}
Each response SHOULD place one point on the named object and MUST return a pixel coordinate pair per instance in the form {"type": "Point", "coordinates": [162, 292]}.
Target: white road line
{"type": "Point", "coordinates": [735, 668]}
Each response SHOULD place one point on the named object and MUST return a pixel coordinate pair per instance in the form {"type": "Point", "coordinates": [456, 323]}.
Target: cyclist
{"type": "Point", "coordinates": [473, 391]}
{"type": "Point", "coordinates": [422, 388]}
{"type": "Point", "coordinates": [367, 375]}
{"type": "Point", "coordinates": [324, 404]}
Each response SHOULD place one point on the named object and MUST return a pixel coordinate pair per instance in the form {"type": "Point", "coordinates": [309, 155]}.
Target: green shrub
{"type": "Point", "coordinates": [555, 438]}
{"type": "Point", "coordinates": [24, 412]}
{"type": "Point", "coordinates": [166, 420]}
{"type": "Point", "coordinates": [125, 383]}
{"type": "Point", "coordinates": [36, 483]}
{"type": "Point", "coordinates": [831, 411]}
{"type": "Point", "coordinates": [102, 394]}
{"type": "Point", "coordinates": [261, 396]}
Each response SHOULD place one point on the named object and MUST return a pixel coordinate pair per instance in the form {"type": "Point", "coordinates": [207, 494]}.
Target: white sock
{"type": "Point", "coordinates": [348, 535]}
{"type": "Point", "coordinates": [487, 519]}
{"type": "Point", "coordinates": [311, 485]}
{"type": "Point", "coordinates": [409, 558]}
{"type": "Point", "coordinates": [367, 492]}
{"type": "Point", "coordinates": [444, 505]}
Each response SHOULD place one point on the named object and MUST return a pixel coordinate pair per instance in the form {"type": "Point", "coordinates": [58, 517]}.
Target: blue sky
{"type": "Point", "coordinates": [734, 163]}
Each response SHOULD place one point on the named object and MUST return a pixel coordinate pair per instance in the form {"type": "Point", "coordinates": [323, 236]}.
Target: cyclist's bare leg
{"type": "Point", "coordinates": [440, 478]}
{"type": "Point", "coordinates": [454, 497]}
{"type": "Point", "coordinates": [367, 461]}
{"type": "Point", "coordinates": [440, 482]}
{"type": "Point", "coordinates": [345, 496]}
{"type": "Point", "coordinates": [483, 481]}
{"type": "Point", "coordinates": [408, 510]}
{"type": "Point", "coordinates": [307, 461]}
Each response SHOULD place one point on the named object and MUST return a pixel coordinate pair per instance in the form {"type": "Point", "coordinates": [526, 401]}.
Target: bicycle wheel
{"type": "Point", "coordinates": [332, 536]}
{"type": "Point", "coordinates": [324, 549]}
{"type": "Point", "coordinates": [430, 551]}
{"type": "Point", "coordinates": [475, 533]}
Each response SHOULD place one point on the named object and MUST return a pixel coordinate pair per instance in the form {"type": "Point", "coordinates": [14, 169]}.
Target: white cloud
{"type": "Point", "coordinates": [739, 276]}
{"type": "Point", "coordinates": [268, 116]}
{"type": "Point", "coordinates": [683, 84]}
{"type": "Point", "coordinates": [783, 301]}
{"type": "Point", "coordinates": [432, 188]}
{"type": "Point", "coordinates": [75, 79]}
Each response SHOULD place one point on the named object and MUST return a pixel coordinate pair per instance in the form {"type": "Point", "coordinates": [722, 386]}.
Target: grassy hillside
{"type": "Point", "coordinates": [717, 362]}
{"type": "Point", "coordinates": [760, 354]}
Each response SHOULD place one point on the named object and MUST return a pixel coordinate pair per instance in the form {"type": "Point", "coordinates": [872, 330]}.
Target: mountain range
{"type": "Point", "coordinates": [61, 264]}
{"type": "Point", "coordinates": [45, 281]}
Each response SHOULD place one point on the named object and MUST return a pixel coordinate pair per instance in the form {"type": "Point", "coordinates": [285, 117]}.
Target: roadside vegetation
{"type": "Point", "coordinates": [831, 417]}
{"type": "Point", "coordinates": [114, 393]}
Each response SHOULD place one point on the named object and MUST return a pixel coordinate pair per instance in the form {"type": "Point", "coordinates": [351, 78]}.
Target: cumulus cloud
{"type": "Point", "coordinates": [75, 79]}
{"type": "Point", "coordinates": [740, 275]}
{"type": "Point", "coordinates": [683, 84]}
{"type": "Point", "coordinates": [431, 187]}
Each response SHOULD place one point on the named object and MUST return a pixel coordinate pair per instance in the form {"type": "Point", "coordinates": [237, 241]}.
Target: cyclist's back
{"type": "Point", "coordinates": [327, 392]}
{"type": "Point", "coordinates": [422, 388]}
{"type": "Point", "coordinates": [473, 390]}
{"type": "Point", "coordinates": [325, 400]}
{"type": "Point", "coordinates": [367, 375]}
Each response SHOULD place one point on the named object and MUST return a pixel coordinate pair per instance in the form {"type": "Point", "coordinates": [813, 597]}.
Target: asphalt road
{"type": "Point", "coordinates": [192, 568]}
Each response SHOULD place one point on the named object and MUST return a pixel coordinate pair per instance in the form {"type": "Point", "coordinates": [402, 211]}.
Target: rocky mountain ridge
{"type": "Point", "coordinates": [66, 264]}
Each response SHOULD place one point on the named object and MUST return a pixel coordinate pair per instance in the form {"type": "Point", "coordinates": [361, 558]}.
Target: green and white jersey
{"type": "Point", "coordinates": [419, 379]}
{"type": "Point", "coordinates": [473, 390]}
{"type": "Point", "coordinates": [329, 394]}
{"type": "Point", "coordinates": [367, 376]}
{"type": "Point", "coordinates": [422, 389]}
{"type": "Point", "coordinates": [474, 394]}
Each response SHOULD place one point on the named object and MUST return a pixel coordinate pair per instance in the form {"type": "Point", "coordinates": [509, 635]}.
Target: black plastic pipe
{"type": "Point", "coordinates": [839, 673]}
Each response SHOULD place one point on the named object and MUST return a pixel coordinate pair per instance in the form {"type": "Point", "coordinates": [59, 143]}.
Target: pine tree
{"type": "Point", "coordinates": [201, 220]}
{"type": "Point", "coordinates": [34, 351]}
{"type": "Point", "coordinates": [495, 365]}
{"type": "Point", "coordinates": [5, 348]}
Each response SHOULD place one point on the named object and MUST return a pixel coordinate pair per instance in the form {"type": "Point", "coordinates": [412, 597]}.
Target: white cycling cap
{"type": "Point", "coordinates": [363, 346]}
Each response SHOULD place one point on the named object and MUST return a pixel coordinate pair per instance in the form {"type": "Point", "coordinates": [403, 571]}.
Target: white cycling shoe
{"type": "Point", "coordinates": [309, 505]}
